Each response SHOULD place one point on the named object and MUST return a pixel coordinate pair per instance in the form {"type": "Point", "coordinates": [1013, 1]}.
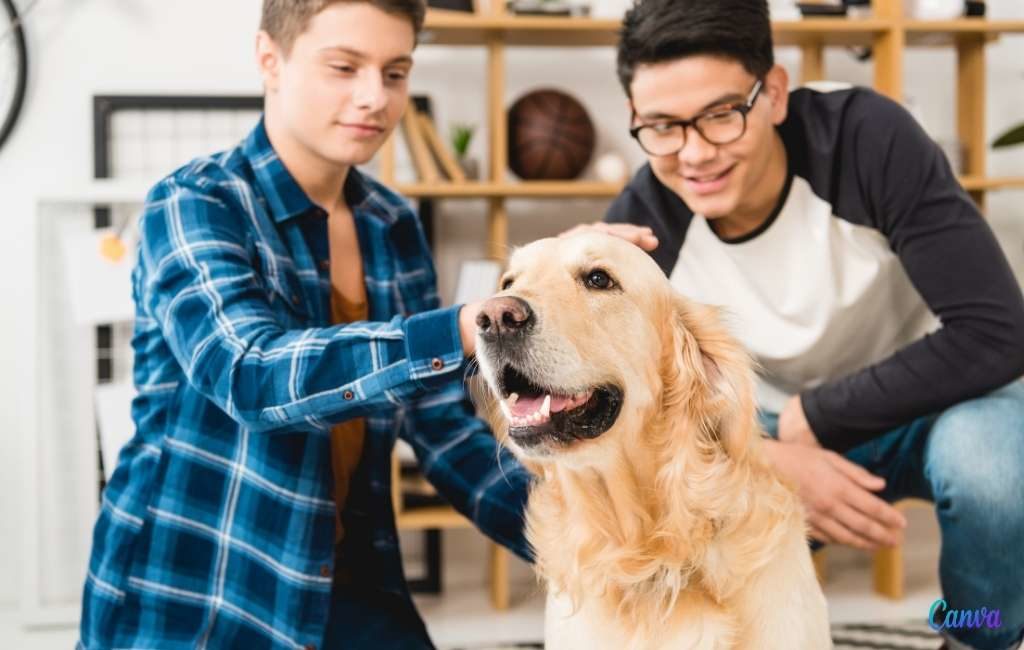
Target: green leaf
{"type": "Point", "coordinates": [461, 135]}
{"type": "Point", "coordinates": [1010, 138]}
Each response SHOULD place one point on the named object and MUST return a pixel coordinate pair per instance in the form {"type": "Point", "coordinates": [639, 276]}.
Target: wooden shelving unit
{"type": "Point", "coordinates": [968, 36]}
{"type": "Point", "coordinates": [887, 32]}
{"type": "Point", "coordinates": [530, 189]}
{"type": "Point", "coordinates": [457, 28]}
{"type": "Point", "coordinates": [945, 32]}
{"type": "Point", "coordinates": [983, 184]}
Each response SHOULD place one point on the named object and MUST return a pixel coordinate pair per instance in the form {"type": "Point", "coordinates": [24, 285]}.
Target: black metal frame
{"type": "Point", "coordinates": [22, 79]}
{"type": "Point", "coordinates": [103, 108]}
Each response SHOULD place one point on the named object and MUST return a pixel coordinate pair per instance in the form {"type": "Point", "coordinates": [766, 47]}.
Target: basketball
{"type": "Point", "coordinates": [550, 136]}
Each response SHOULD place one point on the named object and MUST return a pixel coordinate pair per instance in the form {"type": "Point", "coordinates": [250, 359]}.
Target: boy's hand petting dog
{"type": "Point", "coordinates": [641, 236]}
{"type": "Point", "coordinates": [838, 496]}
{"type": "Point", "coordinates": [467, 327]}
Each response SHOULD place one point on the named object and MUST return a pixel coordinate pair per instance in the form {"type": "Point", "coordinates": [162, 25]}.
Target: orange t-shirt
{"type": "Point", "coordinates": [346, 437]}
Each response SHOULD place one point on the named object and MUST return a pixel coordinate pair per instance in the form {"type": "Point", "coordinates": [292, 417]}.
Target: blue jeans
{"type": "Point", "coordinates": [967, 460]}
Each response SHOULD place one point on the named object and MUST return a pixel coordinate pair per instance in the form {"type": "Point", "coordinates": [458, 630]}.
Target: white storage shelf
{"type": "Point", "coordinates": [62, 479]}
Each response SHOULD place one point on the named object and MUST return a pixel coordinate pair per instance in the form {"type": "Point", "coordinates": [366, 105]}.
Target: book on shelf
{"type": "Point", "coordinates": [422, 159]}
{"type": "Point", "coordinates": [444, 156]}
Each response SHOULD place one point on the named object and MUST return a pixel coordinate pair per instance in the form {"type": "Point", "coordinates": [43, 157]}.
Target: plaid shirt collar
{"type": "Point", "coordinates": [285, 198]}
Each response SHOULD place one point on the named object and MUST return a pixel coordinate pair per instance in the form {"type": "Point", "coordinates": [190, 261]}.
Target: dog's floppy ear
{"type": "Point", "coordinates": [709, 376]}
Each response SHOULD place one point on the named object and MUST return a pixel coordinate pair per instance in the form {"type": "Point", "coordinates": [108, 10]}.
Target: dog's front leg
{"type": "Point", "coordinates": [784, 606]}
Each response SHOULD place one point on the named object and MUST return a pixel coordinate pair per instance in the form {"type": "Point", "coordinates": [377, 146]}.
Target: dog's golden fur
{"type": "Point", "coordinates": [669, 530]}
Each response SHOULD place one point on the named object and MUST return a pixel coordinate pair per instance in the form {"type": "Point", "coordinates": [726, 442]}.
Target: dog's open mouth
{"type": "Point", "coordinates": [537, 414]}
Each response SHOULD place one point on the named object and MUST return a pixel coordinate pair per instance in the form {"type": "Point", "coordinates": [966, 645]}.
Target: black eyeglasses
{"type": "Point", "coordinates": [718, 126]}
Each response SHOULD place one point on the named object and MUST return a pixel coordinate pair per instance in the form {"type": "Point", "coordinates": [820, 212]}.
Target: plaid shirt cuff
{"type": "Point", "coordinates": [433, 346]}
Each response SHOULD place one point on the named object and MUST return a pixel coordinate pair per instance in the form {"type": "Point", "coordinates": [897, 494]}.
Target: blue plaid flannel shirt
{"type": "Point", "coordinates": [216, 529]}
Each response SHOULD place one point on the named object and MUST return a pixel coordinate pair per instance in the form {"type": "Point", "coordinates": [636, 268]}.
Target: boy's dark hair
{"type": "Point", "coordinates": [284, 20]}
{"type": "Point", "coordinates": [655, 31]}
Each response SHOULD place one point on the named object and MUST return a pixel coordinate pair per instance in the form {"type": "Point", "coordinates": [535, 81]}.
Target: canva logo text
{"type": "Point", "coordinates": [940, 617]}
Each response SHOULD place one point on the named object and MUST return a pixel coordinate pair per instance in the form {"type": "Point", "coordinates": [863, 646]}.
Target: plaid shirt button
{"type": "Point", "coordinates": [436, 364]}
{"type": "Point", "coordinates": [325, 571]}
{"type": "Point", "coordinates": [348, 394]}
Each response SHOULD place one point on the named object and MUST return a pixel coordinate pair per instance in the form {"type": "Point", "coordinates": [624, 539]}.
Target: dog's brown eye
{"type": "Point", "coordinates": [598, 279]}
{"type": "Point", "coordinates": [506, 283]}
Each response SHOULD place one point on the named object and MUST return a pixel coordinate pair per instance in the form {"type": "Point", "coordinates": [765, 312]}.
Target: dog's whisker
{"type": "Point", "coordinates": [501, 469]}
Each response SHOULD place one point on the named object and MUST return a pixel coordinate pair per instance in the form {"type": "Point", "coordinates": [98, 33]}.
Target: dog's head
{"type": "Point", "coordinates": [587, 342]}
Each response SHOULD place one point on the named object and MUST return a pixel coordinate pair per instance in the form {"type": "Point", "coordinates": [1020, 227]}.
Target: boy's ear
{"type": "Point", "coordinates": [268, 60]}
{"type": "Point", "coordinates": [777, 90]}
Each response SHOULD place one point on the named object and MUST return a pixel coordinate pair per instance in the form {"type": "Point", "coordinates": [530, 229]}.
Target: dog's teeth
{"type": "Point", "coordinates": [545, 408]}
{"type": "Point", "coordinates": [513, 398]}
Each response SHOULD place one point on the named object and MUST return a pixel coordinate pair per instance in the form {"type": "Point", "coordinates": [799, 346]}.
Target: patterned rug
{"type": "Point", "coordinates": [911, 635]}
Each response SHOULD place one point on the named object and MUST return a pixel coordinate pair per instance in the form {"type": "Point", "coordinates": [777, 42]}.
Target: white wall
{"type": "Point", "coordinates": [84, 47]}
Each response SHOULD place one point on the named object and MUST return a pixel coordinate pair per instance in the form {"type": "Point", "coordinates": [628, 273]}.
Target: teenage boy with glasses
{"type": "Point", "coordinates": [886, 322]}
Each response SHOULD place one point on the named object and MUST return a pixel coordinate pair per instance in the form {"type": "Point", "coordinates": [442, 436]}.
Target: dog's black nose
{"type": "Point", "coordinates": [504, 316]}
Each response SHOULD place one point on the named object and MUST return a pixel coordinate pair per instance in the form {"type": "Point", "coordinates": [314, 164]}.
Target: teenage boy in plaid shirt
{"type": "Point", "coordinates": [288, 330]}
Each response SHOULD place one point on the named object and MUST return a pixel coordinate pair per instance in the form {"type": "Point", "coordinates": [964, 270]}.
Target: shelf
{"type": "Point", "coordinates": [133, 192]}
{"type": "Point", "coordinates": [130, 191]}
{"type": "Point", "coordinates": [947, 32]}
{"type": "Point", "coordinates": [434, 517]}
{"type": "Point", "coordinates": [829, 31]}
{"type": "Point", "coordinates": [457, 28]}
{"type": "Point", "coordinates": [964, 26]}
{"type": "Point", "coordinates": [982, 183]}
{"type": "Point", "coordinates": [599, 190]}
{"type": "Point", "coordinates": [526, 189]}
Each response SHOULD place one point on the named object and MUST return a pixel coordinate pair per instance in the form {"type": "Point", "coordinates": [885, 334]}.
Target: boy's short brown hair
{"type": "Point", "coordinates": [284, 20]}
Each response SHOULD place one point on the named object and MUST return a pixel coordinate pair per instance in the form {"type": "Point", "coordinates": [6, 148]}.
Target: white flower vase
{"type": "Point", "coordinates": [934, 9]}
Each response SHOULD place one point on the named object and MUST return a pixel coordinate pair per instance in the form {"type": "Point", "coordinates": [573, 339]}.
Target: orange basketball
{"type": "Point", "coordinates": [550, 136]}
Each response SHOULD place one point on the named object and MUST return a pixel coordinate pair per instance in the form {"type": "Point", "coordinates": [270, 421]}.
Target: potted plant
{"type": "Point", "coordinates": [461, 136]}
{"type": "Point", "coordinates": [1010, 138]}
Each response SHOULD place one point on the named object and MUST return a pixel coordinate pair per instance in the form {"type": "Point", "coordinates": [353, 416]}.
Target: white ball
{"type": "Point", "coordinates": [611, 168]}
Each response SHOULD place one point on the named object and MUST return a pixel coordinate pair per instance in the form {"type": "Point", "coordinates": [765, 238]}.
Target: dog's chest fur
{"type": "Point", "coordinates": [691, 589]}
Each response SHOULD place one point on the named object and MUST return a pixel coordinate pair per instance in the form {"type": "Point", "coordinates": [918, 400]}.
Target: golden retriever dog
{"type": "Point", "coordinates": [656, 522]}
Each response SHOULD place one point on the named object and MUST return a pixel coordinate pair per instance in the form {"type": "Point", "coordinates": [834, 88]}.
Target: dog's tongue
{"type": "Point", "coordinates": [527, 405]}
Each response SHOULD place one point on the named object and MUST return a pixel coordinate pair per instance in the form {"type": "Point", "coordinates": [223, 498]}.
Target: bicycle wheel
{"type": "Point", "coordinates": [13, 69]}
